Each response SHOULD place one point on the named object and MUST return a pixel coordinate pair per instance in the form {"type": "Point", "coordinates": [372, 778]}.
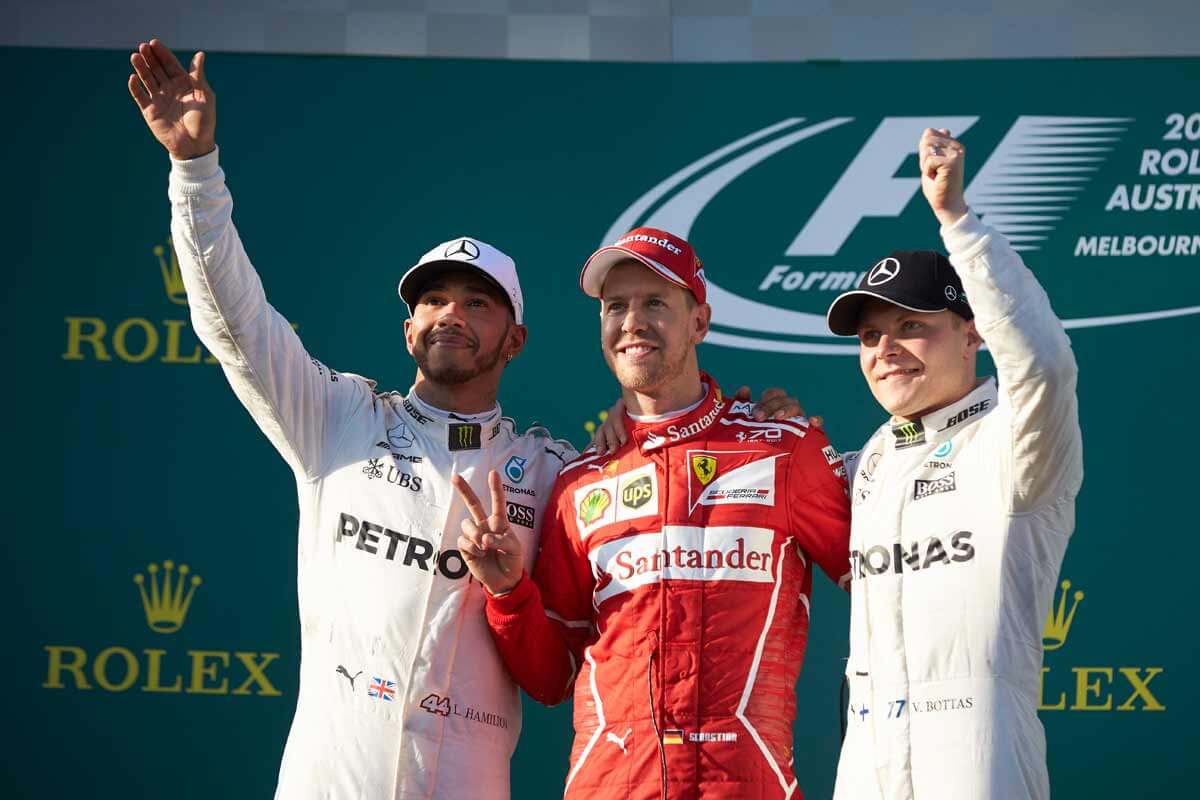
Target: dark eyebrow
{"type": "Point", "coordinates": [441, 286]}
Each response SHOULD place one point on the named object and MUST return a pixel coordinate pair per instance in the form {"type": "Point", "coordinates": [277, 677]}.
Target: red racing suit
{"type": "Point", "coordinates": [672, 588]}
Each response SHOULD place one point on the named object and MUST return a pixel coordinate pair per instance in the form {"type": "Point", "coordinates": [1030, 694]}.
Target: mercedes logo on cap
{"type": "Point", "coordinates": [951, 293]}
{"type": "Point", "coordinates": [883, 272]}
{"type": "Point", "coordinates": [464, 246]}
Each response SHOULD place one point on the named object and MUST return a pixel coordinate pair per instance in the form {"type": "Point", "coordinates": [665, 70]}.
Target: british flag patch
{"type": "Point", "coordinates": [383, 689]}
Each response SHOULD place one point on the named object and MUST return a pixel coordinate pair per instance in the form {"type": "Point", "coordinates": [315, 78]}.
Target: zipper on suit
{"type": "Point", "coordinates": [662, 752]}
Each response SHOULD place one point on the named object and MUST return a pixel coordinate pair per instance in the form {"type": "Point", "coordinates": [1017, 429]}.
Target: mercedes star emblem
{"type": "Point", "coordinates": [883, 272]}
{"type": "Point", "coordinates": [464, 246]}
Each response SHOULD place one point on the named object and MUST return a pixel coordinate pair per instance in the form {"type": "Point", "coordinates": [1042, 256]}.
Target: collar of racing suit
{"type": "Point", "coordinates": [652, 435]}
{"type": "Point", "coordinates": [459, 431]}
{"type": "Point", "coordinates": [938, 426]}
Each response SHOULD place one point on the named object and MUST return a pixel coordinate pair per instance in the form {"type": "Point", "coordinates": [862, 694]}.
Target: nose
{"type": "Point", "coordinates": [450, 315]}
{"type": "Point", "coordinates": [633, 321]}
{"type": "Point", "coordinates": [887, 346]}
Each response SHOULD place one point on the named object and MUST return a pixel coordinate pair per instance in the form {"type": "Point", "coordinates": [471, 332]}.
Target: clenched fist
{"type": "Point", "coordinates": [943, 160]}
{"type": "Point", "coordinates": [178, 105]}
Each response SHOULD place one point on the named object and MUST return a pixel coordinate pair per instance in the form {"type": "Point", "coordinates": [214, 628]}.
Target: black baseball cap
{"type": "Point", "coordinates": [919, 280]}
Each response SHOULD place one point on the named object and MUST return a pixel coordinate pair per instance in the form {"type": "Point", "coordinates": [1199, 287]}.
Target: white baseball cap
{"type": "Point", "coordinates": [465, 251]}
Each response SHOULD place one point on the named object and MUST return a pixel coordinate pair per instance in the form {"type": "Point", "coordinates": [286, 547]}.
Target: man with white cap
{"type": "Point", "coordinates": [672, 587]}
{"type": "Point", "coordinates": [963, 503]}
{"type": "Point", "coordinates": [402, 693]}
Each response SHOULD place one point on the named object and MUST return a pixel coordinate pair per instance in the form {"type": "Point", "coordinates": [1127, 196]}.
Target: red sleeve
{"type": "Point", "coordinates": [542, 625]}
{"type": "Point", "coordinates": [820, 505]}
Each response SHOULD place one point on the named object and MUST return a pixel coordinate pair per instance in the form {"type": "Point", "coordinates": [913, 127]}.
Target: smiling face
{"type": "Point", "coordinates": [461, 328]}
{"type": "Point", "coordinates": [649, 329]}
{"type": "Point", "coordinates": [916, 362]}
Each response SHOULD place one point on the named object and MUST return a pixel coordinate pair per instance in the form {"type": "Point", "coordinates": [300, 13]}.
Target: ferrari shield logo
{"type": "Point", "coordinates": [705, 468]}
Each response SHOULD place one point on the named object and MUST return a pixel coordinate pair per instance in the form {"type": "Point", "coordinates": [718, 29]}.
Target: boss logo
{"type": "Point", "coordinates": [923, 489]}
{"type": "Point", "coordinates": [520, 515]}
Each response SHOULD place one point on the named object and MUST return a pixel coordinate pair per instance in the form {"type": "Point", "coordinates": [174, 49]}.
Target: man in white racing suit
{"type": "Point", "coordinates": [402, 694]}
{"type": "Point", "coordinates": [963, 504]}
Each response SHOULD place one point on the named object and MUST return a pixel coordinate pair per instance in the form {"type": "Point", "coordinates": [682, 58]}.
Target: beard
{"type": "Point", "coordinates": [646, 376]}
{"type": "Point", "coordinates": [445, 373]}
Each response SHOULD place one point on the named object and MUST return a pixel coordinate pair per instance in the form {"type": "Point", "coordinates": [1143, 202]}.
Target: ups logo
{"type": "Point", "coordinates": [638, 493]}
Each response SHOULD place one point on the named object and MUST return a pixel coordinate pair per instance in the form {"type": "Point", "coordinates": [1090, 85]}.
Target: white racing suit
{"type": "Point", "coordinates": [402, 693]}
{"type": "Point", "coordinates": [960, 522]}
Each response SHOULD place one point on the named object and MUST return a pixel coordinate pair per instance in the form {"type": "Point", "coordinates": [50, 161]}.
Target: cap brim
{"type": "Point", "coordinates": [416, 277]}
{"type": "Point", "coordinates": [844, 311]}
{"type": "Point", "coordinates": [591, 278]}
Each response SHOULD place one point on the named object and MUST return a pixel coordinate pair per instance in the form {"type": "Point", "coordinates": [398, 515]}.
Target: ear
{"type": "Point", "coordinates": [701, 316]}
{"type": "Point", "coordinates": [515, 341]}
{"type": "Point", "coordinates": [974, 340]}
{"type": "Point", "coordinates": [409, 335]}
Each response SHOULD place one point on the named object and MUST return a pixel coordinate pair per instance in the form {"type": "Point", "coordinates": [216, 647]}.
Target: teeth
{"type": "Point", "coordinates": [636, 349]}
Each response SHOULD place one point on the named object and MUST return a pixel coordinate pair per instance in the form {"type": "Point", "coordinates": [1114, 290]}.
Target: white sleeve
{"type": "Point", "coordinates": [1035, 366]}
{"type": "Point", "coordinates": [302, 406]}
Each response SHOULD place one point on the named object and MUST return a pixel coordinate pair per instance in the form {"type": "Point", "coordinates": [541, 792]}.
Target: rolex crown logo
{"type": "Point", "coordinates": [166, 604]}
{"type": "Point", "coordinates": [1058, 620]}
{"type": "Point", "coordinates": [172, 277]}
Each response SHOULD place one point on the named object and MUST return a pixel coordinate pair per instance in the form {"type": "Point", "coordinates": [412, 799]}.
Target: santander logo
{"type": "Point", "coordinates": [1025, 187]}
{"type": "Point", "coordinates": [684, 552]}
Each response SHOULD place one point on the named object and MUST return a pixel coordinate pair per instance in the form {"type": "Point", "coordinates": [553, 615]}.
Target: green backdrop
{"type": "Point", "coordinates": [126, 449]}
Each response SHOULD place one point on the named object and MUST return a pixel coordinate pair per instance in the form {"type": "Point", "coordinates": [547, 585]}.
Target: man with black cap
{"type": "Point", "coordinates": [402, 693]}
{"type": "Point", "coordinates": [963, 504]}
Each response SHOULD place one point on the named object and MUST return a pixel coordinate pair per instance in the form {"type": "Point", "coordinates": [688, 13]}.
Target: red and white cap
{"type": "Point", "coordinates": [668, 255]}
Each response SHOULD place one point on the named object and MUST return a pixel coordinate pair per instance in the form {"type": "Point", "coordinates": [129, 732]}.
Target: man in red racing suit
{"type": "Point", "coordinates": [672, 588]}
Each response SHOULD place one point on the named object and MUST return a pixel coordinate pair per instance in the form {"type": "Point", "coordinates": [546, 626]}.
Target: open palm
{"type": "Point", "coordinates": [178, 105]}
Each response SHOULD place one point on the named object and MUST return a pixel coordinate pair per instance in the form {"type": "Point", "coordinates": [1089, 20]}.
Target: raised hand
{"type": "Point", "coordinates": [178, 105]}
{"type": "Point", "coordinates": [492, 551]}
{"type": "Point", "coordinates": [943, 161]}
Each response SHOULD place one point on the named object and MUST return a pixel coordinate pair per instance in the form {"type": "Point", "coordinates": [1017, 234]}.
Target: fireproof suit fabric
{"type": "Point", "coordinates": [402, 692]}
{"type": "Point", "coordinates": [676, 575]}
{"type": "Point", "coordinates": [961, 520]}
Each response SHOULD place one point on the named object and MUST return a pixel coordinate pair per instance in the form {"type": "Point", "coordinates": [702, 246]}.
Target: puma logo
{"type": "Point", "coordinates": [342, 671]}
{"type": "Point", "coordinates": [619, 742]}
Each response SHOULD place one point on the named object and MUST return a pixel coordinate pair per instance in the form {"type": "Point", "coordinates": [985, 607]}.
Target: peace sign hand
{"type": "Point", "coordinates": [492, 551]}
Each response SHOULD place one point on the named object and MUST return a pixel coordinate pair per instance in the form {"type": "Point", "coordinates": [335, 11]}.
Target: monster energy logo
{"type": "Point", "coordinates": [464, 436]}
{"type": "Point", "coordinates": [908, 434]}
